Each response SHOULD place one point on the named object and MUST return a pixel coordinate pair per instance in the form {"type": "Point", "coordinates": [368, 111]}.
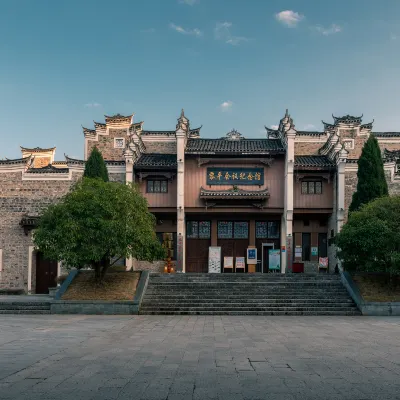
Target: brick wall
{"type": "Point", "coordinates": [301, 149]}
{"type": "Point", "coordinates": [160, 147]}
{"type": "Point", "coordinates": [106, 144]}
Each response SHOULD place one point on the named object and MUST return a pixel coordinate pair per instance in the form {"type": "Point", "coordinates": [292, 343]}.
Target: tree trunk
{"type": "Point", "coordinates": [97, 272]}
{"type": "Point", "coordinates": [106, 265]}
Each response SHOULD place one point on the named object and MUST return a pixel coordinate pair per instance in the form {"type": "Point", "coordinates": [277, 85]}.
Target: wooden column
{"type": "Point", "coordinates": [214, 233]}
{"type": "Point", "coordinates": [252, 233]}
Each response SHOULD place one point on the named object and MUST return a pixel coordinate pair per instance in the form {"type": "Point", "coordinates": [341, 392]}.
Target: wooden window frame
{"type": "Point", "coordinates": [156, 180]}
{"type": "Point", "coordinates": [198, 224]}
{"type": "Point", "coordinates": [314, 182]}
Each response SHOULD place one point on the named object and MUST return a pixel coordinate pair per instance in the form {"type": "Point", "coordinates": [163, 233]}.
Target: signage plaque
{"type": "Point", "coordinates": [235, 176]}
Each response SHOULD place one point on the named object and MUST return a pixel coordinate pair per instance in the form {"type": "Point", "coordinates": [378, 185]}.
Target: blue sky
{"type": "Point", "coordinates": [229, 63]}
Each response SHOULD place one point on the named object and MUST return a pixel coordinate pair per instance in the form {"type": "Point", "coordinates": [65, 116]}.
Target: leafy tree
{"type": "Point", "coordinates": [371, 176]}
{"type": "Point", "coordinates": [96, 222]}
{"type": "Point", "coordinates": [370, 241]}
{"type": "Point", "coordinates": [95, 167]}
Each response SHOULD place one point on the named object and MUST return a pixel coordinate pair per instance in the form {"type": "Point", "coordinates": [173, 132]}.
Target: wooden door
{"type": "Point", "coordinates": [46, 274]}
{"type": "Point", "coordinates": [197, 255]}
{"type": "Point", "coordinates": [233, 248]}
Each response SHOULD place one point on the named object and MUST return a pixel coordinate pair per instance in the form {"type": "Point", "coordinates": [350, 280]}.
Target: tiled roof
{"type": "Point", "coordinates": [157, 160]}
{"type": "Point", "coordinates": [73, 161]}
{"type": "Point", "coordinates": [243, 146]}
{"type": "Point", "coordinates": [48, 169]}
{"type": "Point", "coordinates": [29, 220]}
{"type": "Point", "coordinates": [386, 134]}
{"type": "Point", "coordinates": [36, 149]}
{"type": "Point", "coordinates": [15, 161]}
{"type": "Point", "coordinates": [313, 162]}
{"type": "Point", "coordinates": [234, 193]}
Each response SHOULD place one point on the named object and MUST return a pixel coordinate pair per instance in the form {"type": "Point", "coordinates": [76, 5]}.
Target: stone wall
{"type": "Point", "coordinates": [17, 198]}
{"type": "Point", "coordinates": [105, 144]}
{"type": "Point", "coordinates": [350, 187]}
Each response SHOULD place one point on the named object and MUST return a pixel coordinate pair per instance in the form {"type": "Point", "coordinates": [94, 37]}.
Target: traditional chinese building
{"type": "Point", "coordinates": [289, 190]}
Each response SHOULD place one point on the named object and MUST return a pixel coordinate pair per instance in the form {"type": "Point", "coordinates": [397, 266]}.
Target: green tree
{"type": "Point", "coordinates": [98, 221]}
{"type": "Point", "coordinates": [370, 241]}
{"type": "Point", "coordinates": [371, 176]}
{"type": "Point", "coordinates": [95, 167]}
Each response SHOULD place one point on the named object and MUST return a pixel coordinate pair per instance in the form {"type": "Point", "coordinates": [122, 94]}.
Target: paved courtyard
{"type": "Point", "coordinates": [179, 357]}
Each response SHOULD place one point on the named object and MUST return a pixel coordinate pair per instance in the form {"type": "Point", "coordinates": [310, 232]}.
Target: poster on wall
{"type": "Point", "coordinates": [314, 251]}
{"type": "Point", "coordinates": [214, 260]}
{"type": "Point", "coordinates": [274, 259]}
{"type": "Point", "coordinates": [251, 255]}
{"type": "Point", "coordinates": [298, 252]}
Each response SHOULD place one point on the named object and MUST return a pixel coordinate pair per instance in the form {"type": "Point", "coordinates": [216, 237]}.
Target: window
{"type": "Point", "coordinates": [235, 230]}
{"type": "Point", "coordinates": [157, 186]}
{"type": "Point", "coordinates": [311, 187]}
{"type": "Point", "coordinates": [119, 143]}
{"type": "Point", "coordinates": [198, 229]}
{"type": "Point", "coordinates": [267, 229]}
{"type": "Point", "coordinates": [306, 246]}
{"type": "Point", "coordinates": [348, 144]}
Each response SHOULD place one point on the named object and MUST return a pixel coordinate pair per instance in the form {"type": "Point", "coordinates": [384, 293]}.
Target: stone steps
{"type": "Point", "coordinates": [25, 311]}
{"type": "Point", "coordinates": [21, 307]}
{"type": "Point", "coordinates": [244, 294]}
{"type": "Point", "coordinates": [245, 313]}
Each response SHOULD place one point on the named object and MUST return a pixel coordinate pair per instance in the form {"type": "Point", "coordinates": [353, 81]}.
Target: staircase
{"type": "Point", "coordinates": [247, 294]}
{"type": "Point", "coordinates": [24, 305]}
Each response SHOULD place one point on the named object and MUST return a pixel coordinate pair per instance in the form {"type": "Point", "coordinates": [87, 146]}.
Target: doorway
{"type": "Point", "coordinates": [265, 247]}
{"type": "Point", "coordinates": [46, 274]}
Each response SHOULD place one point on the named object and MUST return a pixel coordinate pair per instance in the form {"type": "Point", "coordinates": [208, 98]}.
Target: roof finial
{"type": "Point", "coordinates": [287, 112]}
{"type": "Point", "coordinates": [182, 113]}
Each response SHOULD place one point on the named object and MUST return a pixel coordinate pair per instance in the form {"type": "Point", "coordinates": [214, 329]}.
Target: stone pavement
{"type": "Point", "coordinates": [204, 357]}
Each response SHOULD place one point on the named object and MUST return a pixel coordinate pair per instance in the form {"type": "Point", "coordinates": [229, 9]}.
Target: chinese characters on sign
{"type": "Point", "coordinates": [235, 176]}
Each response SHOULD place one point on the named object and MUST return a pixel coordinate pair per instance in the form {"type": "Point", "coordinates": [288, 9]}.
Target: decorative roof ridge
{"type": "Point", "coordinates": [352, 160]}
{"type": "Point", "coordinates": [386, 134]}
{"type": "Point", "coordinates": [328, 126]}
{"type": "Point", "coordinates": [88, 130]}
{"type": "Point", "coordinates": [367, 125]}
{"type": "Point", "coordinates": [37, 149]}
{"type": "Point", "coordinates": [309, 133]}
{"type": "Point", "coordinates": [99, 124]}
{"type": "Point", "coordinates": [347, 119]}
{"type": "Point", "coordinates": [22, 160]}
{"type": "Point", "coordinates": [159, 132]}
{"type": "Point", "coordinates": [118, 116]}
{"type": "Point", "coordinates": [235, 190]}
{"type": "Point", "coordinates": [313, 161]}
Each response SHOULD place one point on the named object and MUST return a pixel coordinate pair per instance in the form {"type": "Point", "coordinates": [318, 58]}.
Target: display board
{"type": "Point", "coordinates": [240, 262]}
{"type": "Point", "coordinates": [251, 255]}
{"type": "Point", "coordinates": [214, 260]}
{"type": "Point", "coordinates": [228, 262]}
{"type": "Point", "coordinates": [274, 260]}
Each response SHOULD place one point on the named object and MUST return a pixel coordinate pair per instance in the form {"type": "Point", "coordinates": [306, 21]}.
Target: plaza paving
{"type": "Point", "coordinates": [189, 357]}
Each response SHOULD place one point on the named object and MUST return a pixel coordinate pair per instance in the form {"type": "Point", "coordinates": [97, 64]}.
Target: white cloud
{"type": "Point", "coordinates": [289, 18]}
{"type": "Point", "coordinates": [177, 28]}
{"type": "Point", "coordinates": [274, 127]}
{"type": "Point", "coordinates": [150, 30]}
{"type": "Point", "coordinates": [92, 105]}
{"type": "Point", "coordinates": [309, 127]}
{"type": "Point", "coordinates": [328, 31]}
{"type": "Point", "coordinates": [222, 32]}
{"type": "Point", "coordinates": [226, 105]}
{"type": "Point", "coordinates": [189, 2]}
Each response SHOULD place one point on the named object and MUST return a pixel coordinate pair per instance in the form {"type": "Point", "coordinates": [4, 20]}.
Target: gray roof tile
{"type": "Point", "coordinates": [156, 160]}
{"type": "Point", "coordinates": [243, 146]}
{"type": "Point", "coordinates": [313, 162]}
